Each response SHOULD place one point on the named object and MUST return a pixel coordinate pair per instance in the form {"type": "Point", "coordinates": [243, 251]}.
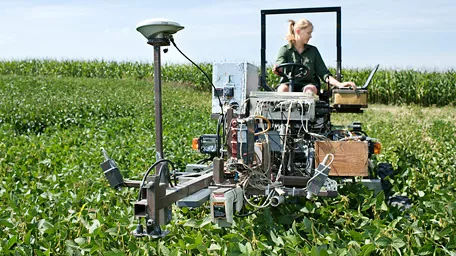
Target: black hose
{"type": "Point", "coordinates": [210, 81]}
{"type": "Point", "coordinates": [159, 174]}
{"type": "Point", "coordinates": [202, 161]}
{"type": "Point", "coordinates": [247, 214]}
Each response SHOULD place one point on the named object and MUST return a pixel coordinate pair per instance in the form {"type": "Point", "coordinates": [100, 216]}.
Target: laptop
{"type": "Point", "coordinates": [370, 77]}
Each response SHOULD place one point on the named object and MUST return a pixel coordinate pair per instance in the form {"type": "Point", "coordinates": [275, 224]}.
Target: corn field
{"type": "Point", "coordinates": [394, 87]}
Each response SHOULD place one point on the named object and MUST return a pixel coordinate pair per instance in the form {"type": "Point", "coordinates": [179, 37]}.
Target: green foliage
{"type": "Point", "coordinates": [408, 86]}
{"type": "Point", "coordinates": [400, 87]}
{"type": "Point", "coordinates": [182, 73]}
{"type": "Point", "coordinates": [388, 86]}
{"type": "Point", "coordinates": [54, 199]}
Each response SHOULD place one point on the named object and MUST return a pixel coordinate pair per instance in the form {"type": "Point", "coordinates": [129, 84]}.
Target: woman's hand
{"type": "Point", "coordinates": [348, 84]}
{"type": "Point", "coordinates": [275, 70]}
{"type": "Point", "coordinates": [332, 81]}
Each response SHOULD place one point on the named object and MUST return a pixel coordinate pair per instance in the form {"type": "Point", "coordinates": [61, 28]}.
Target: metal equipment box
{"type": "Point", "coordinates": [349, 98]}
{"type": "Point", "coordinates": [233, 83]}
{"type": "Point", "coordinates": [350, 157]}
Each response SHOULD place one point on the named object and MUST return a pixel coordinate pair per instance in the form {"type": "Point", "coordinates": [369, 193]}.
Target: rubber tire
{"type": "Point", "coordinates": [385, 170]}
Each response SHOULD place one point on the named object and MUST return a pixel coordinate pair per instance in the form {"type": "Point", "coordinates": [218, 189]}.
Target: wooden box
{"type": "Point", "coordinates": [348, 97]}
{"type": "Point", "coordinates": [350, 157]}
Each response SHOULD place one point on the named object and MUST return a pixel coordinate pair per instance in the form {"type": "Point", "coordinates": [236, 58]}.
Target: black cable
{"type": "Point", "coordinates": [175, 179]}
{"type": "Point", "coordinates": [247, 214]}
{"type": "Point", "coordinates": [210, 81]}
{"type": "Point", "coordinates": [219, 138]}
{"type": "Point", "coordinates": [329, 89]}
{"type": "Point", "coordinates": [159, 174]}
{"type": "Point", "coordinates": [224, 130]}
{"type": "Point", "coordinates": [202, 161]}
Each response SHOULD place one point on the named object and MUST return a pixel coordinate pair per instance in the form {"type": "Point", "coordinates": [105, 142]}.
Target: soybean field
{"type": "Point", "coordinates": [54, 200]}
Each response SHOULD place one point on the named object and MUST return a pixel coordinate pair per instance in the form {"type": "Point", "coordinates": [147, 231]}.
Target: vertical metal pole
{"type": "Point", "coordinates": [158, 138]}
{"type": "Point", "coordinates": [339, 45]}
{"type": "Point", "coordinates": [158, 105]}
{"type": "Point", "coordinates": [263, 50]}
{"type": "Point", "coordinates": [160, 183]}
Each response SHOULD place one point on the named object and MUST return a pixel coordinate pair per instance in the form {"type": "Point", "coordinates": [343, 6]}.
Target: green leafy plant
{"type": "Point", "coordinates": [54, 199]}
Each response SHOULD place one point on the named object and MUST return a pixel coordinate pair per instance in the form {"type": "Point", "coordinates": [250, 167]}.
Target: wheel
{"type": "Point", "coordinates": [385, 170]}
{"type": "Point", "coordinates": [401, 202]}
{"type": "Point", "coordinates": [297, 70]}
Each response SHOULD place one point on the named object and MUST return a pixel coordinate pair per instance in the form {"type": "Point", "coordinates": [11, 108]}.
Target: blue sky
{"type": "Point", "coordinates": [395, 34]}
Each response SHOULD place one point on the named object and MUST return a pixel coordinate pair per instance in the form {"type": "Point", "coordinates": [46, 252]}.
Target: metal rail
{"type": "Point", "coordinates": [156, 207]}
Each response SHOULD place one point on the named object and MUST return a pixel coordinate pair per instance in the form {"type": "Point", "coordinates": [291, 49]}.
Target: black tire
{"type": "Point", "coordinates": [401, 202]}
{"type": "Point", "coordinates": [385, 170]}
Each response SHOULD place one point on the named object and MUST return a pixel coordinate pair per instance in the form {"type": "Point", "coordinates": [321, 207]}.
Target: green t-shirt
{"type": "Point", "coordinates": [310, 57]}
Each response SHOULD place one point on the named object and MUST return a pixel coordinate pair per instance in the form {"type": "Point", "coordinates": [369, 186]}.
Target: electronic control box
{"type": "Point", "coordinates": [233, 83]}
{"type": "Point", "coordinates": [295, 106]}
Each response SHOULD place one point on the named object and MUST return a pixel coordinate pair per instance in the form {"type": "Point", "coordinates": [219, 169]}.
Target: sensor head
{"type": "Point", "coordinates": [158, 28]}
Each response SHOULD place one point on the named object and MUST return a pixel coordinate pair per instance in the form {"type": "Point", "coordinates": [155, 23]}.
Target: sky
{"type": "Point", "coordinates": [395, 34]}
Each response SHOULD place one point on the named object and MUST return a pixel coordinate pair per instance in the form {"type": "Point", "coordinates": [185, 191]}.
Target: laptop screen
{"type": "Point", "coordinates": [370, 76]}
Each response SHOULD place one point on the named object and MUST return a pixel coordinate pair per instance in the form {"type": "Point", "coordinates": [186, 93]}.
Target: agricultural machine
{"type": "Point", "coordinates": [268, 146]}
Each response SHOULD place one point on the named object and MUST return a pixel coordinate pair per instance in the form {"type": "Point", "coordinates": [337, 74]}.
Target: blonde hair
{"type": "Point", "coordinates": [301, 24]}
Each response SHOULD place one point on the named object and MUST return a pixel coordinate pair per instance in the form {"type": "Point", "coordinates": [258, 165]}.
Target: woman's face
{"type": "Point", "coordinates": [305, 34]}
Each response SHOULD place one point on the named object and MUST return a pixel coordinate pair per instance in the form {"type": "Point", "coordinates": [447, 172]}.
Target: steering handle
{"type": "Point", "coordinates": [301, 69]}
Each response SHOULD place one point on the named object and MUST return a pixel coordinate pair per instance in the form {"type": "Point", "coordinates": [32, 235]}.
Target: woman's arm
{"type": "Point", "coordinates": [335, 83]}
{"type": "Point", "coordinates": [324, 74]}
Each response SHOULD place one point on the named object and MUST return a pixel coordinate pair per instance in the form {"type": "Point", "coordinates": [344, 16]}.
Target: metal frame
{"type": "Point", "coordinates": [156, 205]}
{"type": "Point", "coordinates": [337, 10]}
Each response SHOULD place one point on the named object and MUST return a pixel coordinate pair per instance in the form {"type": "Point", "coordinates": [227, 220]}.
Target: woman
{"type": "Point", "coordinates": [298, 51]}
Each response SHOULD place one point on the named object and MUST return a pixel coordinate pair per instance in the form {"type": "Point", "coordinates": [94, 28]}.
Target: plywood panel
{"type": "Point", "coordinates": [350, 157]}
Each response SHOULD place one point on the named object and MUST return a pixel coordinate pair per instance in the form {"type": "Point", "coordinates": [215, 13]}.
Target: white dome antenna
{"type": "Point", "coordinates": [158, 28]}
